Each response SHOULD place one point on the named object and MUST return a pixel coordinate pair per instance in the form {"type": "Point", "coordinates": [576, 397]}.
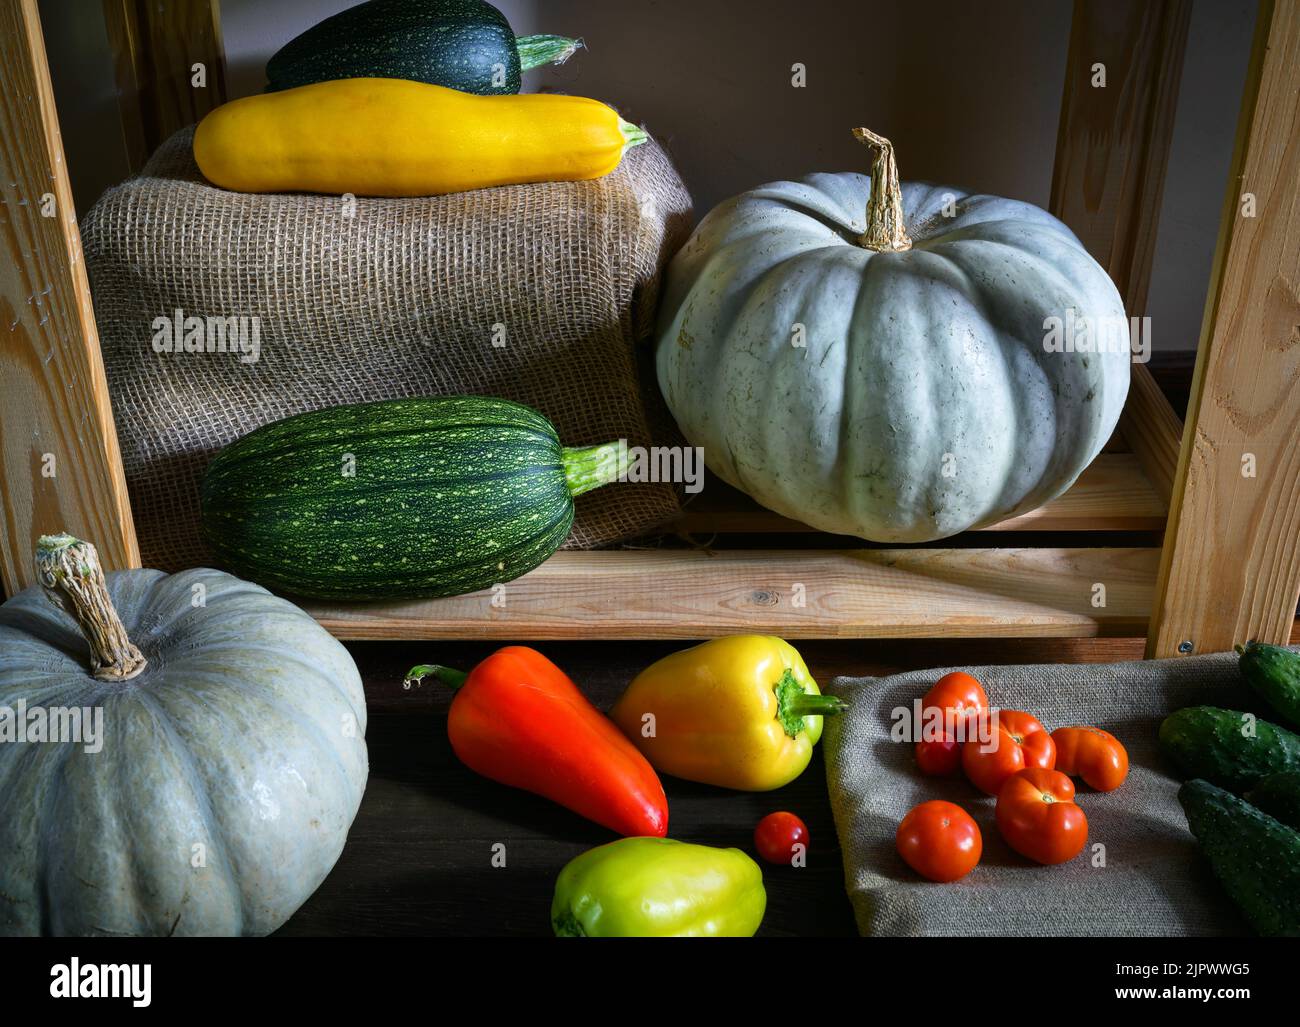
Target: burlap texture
{"type": "Point", "coordinates": [398, 300]}
{"type": "Point", "coordinates": [1154, 882]}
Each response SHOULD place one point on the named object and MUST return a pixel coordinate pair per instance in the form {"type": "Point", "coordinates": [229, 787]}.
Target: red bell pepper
{"type": "Point", "coordinates": [518, 719]}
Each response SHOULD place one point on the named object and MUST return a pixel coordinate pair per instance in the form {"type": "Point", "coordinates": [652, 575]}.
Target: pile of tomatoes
{"type": "Point", "coordinates": [1010, 755]}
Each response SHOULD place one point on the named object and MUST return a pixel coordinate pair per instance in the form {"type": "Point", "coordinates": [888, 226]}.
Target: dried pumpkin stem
{"type": "Point", "coordinates": [69, 571]}
{"type": "Point", "coordinates": [885, 231]}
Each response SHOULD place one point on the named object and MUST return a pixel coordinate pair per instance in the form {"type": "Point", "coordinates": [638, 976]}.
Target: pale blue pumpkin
{"type": "Point", "coordinates": [897, 389]}
{"type": "Point", "coordinates": [230, 771]}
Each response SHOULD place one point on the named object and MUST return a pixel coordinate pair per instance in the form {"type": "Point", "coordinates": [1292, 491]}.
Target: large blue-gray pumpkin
{"type": "Point", "coordinates": [231, 762]}
{"type": "Point", "coordinates": [899, 389]}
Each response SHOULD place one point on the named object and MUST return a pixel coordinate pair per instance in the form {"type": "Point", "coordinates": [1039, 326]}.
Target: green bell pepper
{"type": "Point", "coordinates": [658, 888]}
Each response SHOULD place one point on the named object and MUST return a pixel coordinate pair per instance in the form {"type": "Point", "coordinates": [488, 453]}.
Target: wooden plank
{"type": "Point", "coordinates": [60, 467]}
{"type": "Point", "coordinates": [1153, 431]}
{"type": "Point", "coordinates": [1111, 154]}
{"type": "Point", "coordinates": [156, 46]}
{"type": "Point", "coordinates": [1231, 564]}
{"type": "Point", "coordinates": [1113, 494]}
{"type": "Point", "coordinates": [1113, 141]}
{"type": "Point", "coordinates": [891, 593]}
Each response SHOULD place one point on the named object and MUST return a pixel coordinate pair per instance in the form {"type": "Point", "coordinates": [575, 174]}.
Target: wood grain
{"type": "Point", "coordinates": [155, 45]}
{"type": "Point", "coordinates": [1111, 154]}
{"type": "Point", "coordinates": [888, 593]}
{"type": "Point", "coordinates": [53, 393]}
{"type": "Point", "coordinates": [1113, 141]}
{"type": "Point", "coordinates": [1231, 564]}
{"type": "Point", "coordinates": [1113, 494]}
{"type": "Point", "coordinates": [1153, 431]}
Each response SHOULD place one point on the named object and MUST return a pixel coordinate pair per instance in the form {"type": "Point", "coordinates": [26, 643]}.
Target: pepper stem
{"type": "Point", "coordinates": [534, 51]}
{"type": "Point", "coordinates": [69, 571]}
{"type": "Point", "coordinates": [448, 676]}
{"type": "Point", "coordinates": [885, 231]}
{"type": "Point", "coordinates": [793, 704]}
{"type": "Point", "coordinates": [593, 466]}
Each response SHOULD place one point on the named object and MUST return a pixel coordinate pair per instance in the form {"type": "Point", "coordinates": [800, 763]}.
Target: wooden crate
{"type": "Point", "coordinates": [1189, 552]}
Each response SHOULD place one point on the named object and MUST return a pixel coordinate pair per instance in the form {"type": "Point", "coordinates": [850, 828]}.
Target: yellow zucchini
{"type": "Point", "coordinates": [392, 137]}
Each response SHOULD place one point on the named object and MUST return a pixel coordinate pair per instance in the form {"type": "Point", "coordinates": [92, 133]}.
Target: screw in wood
{"type": "Point", "coordinates": [1185, 647]}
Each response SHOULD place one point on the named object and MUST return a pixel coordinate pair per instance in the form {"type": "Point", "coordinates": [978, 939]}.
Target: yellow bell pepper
{"type": "Point", "coordinates": [741, 712]}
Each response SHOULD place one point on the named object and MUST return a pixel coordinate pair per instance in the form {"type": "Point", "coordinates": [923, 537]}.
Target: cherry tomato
{"type": "Point", "coordinates": [940, 757]}
{"type": "Point", "coordinates": [961, 693]}
{"type": "Point", "coordinates": [1092, 754]}
{"type": "Point", "coordinates": [780, 837]}
{"type": "Point", "coordinates": [1018, 741]}
{"type": "Point", "coordinates": [956, 691]}
{"type": "Point", "coordinates": [1039, 818]}
{"type": "Point", "coordinates": [939, 840]}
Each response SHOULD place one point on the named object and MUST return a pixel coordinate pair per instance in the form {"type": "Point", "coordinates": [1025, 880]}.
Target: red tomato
{"type": "Point", "coordinates": [939, 758]}
{"type": "Point", "coordinates": [1092, 754]}
{"type": "Point", "coordinates": [1019, 741]}
{"type": "Point", "coordinates": [780, 837]}
{"type": "Point", "coordinates": [956, 691]}
{"type": "Point", "coordinates": [939, 840]}
{"type": "Point", "coordinates": [1038, 817]}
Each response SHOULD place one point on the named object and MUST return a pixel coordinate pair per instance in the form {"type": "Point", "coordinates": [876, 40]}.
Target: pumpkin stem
{"type": "Point", "coordinates": [885, 231]}
{"type": "Point", "coordinates": [69, 571]}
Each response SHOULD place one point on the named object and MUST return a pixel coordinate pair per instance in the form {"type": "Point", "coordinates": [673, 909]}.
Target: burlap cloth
{"type": "Point", "coordinates": [400, 299]}
{"type": "Point", "coordinates": [1154, 881]}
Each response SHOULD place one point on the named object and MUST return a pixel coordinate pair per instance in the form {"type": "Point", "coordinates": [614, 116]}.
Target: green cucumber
{"type": "Point", "coordinates": [1232, 749]}
{"type": "Point", "coordinates": [1274, 674]}
{"type": "Point", "coordinates": [1278, 795]}
{"type": "Point", "coordinates": [1255, 857]}
{"type": "Point", "coordinates": [398, 499]}
{"type": "Point", "coordinates": [462, 44]}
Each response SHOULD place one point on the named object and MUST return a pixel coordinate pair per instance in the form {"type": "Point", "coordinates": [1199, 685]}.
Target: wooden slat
{"type": "Point", "coordinates": [155, 45]}
{"type": "Point", "coordinates": [1111, 154]}
{"type": "Point", "coordinates": [1153, 431]}
{"type": "Point", "coordinates": [1113, 494]}
{"type": "Point", "coordinates": [894, 593]}
{"type": "Point", "coordinates": [1113, 141]}
{"type": "Point", "coordinates": [1231, 564]}
{"type": "Point", "coordinates": [53, 396]}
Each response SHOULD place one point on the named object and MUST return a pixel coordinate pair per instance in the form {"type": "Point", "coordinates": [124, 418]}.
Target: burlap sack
{"type": "Point", "coordinates": [1154, 881]}
{"type": "Point", "coordinates": [398, 299]}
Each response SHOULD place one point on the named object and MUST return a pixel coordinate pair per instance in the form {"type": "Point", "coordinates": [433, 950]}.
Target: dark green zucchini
{"type": "Point", "coordinates": [398, 499]}
{"type": "Point", "coordinates": [462, 44]}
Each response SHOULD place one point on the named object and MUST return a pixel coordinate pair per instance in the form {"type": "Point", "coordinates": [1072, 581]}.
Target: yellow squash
{"type": "Point", "coordinates": [391, 137]}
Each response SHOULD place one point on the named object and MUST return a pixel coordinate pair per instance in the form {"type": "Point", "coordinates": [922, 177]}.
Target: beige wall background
{"type": "Point", "coordinates": [969, 92]}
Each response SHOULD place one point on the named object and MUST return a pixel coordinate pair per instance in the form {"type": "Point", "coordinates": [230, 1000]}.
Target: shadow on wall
{"type": "Point", "coordinates": [969, 93]}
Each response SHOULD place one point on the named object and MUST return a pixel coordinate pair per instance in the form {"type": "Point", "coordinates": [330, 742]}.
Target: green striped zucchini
{"type": "Point", "coordinates": [398, 499]}
{"type": "Point", "coordinates": [461, 44]}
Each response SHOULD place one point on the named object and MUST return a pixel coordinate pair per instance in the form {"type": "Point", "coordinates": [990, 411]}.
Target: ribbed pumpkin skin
{"type": "Point", "coordinates": [453, 43]}
{"type": "Point", "coordinates": [245, 735]}
{"type": "Point", "coordinates": [923, 402]}
{"type": "Point", "coordinates": [450, 495]}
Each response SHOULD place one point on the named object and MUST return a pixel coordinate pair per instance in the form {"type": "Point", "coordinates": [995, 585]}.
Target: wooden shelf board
{"type": "Point", "coordinates": [890, 593]}
{"type": "Point", "coordinates": [1113, 494]}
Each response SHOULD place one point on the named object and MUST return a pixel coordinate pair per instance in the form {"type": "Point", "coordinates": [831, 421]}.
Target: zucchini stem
{"type": "Point", "coordinates": [593, 466]}
{"type": "Point", "coordinates": [633, 135]}
{"type": "Point", "coordinates": [535, 51]}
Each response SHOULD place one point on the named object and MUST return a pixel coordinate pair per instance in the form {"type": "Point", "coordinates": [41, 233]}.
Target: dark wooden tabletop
{"type": "Point", "coordinates": [419, 858]}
